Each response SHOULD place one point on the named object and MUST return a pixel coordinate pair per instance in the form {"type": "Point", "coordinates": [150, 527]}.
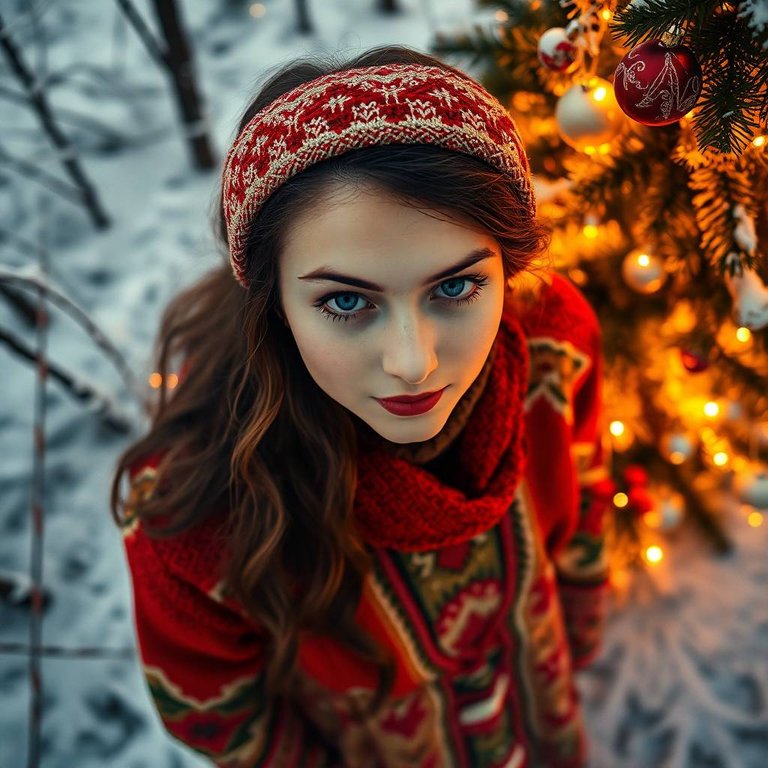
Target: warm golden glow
{"type": "Point", "coordinates": [720, 458]}
{"type": "Point", "coordinates": [711, 409]}
{"type": "Point", "coordinates": [643, 259]}
{"type": "Point", "coordinates": [590, 231]}
{"type": "Point", "coordinates": [617, 428]}
{"type": "Point", "coordinates": [172, 381]}
{"type": "Point", "coordinates": [600, 93]}
{"type": "Point", "coordinates": [759, 141]}
{"type": "Point", "coordinates": [654, 554]}
{"type": "Point", "coordinates": [621, 500]}
{"type": "Point", "coordinates": [579, 276]}
{"type": "Point", "coordinates": [155, 380]}
{"type": "Point", "coordinates": [755, 519]}
{"type": "Point", "coordinates": [676, 457]}
{"type": "Point", "coordinates": [606, 14]}
{"type": "Point", "coordinates": [652, 519]}
{"type": "Point", "coordinates": [257, 10]}
{"type": "Point", "coordinates": [743, 334]}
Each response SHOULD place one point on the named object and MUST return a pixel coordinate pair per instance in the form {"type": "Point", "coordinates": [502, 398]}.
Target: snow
{"type": "Point", "coordinates": [97, 712]}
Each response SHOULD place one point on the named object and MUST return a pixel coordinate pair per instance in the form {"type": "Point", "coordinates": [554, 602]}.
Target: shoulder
{"type": "Point", "coordinates": [194, 555]}
{"type": "Point", "coordinates": [557, 310]}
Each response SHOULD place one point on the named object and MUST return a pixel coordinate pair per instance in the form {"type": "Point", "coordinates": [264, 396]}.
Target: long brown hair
{"type": "Point", "coordinates": [250, 432]}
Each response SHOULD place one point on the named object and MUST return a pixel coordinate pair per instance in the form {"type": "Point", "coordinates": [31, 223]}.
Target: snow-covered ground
{"type": "Point", "coordinates": [689, 667]}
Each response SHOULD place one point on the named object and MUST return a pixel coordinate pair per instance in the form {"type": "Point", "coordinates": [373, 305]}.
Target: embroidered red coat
{"type": "Point", "coordinates": [512, 705]}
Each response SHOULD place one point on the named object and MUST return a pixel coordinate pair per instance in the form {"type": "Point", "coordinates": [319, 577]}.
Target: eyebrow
{"type": "Point", "coordinates": [479, 254]}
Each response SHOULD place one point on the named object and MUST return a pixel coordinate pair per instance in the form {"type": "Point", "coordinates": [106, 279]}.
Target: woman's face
{"type": "Point", "coordinates": [424, 321]}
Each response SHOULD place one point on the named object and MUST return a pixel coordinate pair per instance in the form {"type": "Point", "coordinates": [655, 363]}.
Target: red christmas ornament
{"type": "Point", "coordinates": [635, 476]}
{"type": "Point", "coordinates": [692, 362]}
{"type": "Point", "coordinates": [656, 84]}
{"type": "Point", "coordinates": [557, 51]}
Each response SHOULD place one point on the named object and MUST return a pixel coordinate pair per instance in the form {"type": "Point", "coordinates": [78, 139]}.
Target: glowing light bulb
{"type": "Point", "coordinates": [600, 93]}
{"type": "Point", "coordinates": [759, 141]}
{"type": "Point", "coordinates": [755, 519]}
{"type": "Point", "coordinates": [711, 409]}
{"type": "Point", "coordinates": [743, 334]}
{"type": "Point", "coordinates": [257, 10]}
{"type": "Point", "coordinates": [606, 14]}
{"type": "Point", "coordinates": [172, 381]}
{"type": "Point", "coordinates": [654, 554]}
{"type": "Point", "coordinates": [720, 459]}
{"type": "Point", "coordinates": [155, 380]}
{"type": "Point", "coordinates": [643, 259]}
{"type": "Point", "coordinates": [590, 231]}
{"type": "Point", "coordinates": [621, 500]}
{"type": "Point", "coordinates": [617, 428]}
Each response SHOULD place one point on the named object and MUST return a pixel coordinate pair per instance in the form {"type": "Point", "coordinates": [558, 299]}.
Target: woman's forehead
{"type": "Point", "coordinates": [369, 223]}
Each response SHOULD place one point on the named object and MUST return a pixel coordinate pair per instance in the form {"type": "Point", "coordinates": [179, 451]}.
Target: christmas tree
{"type": "Point", "coordinates": [646, 126]}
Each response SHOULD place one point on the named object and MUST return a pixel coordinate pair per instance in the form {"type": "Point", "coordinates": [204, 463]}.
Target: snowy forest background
{"type": "Point", "coordinates": [683, 677]}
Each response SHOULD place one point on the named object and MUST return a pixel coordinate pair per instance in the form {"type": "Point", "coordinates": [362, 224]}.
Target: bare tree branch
{"type": "Point", "coordinates": [59, 139]}
{"type": "Point", "coordinates": [66, 304]}
{"type": "Point", "coordinates": [81, 391]}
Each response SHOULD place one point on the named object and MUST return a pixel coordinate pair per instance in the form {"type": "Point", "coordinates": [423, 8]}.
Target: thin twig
{"type": "Point", "coordinates": [145, 34]}
{"type": "Point", "coordinates": [56, 651]}
{"type": "Point", "coordinates": [77, 388]}
{"type": "Point", "coordinates": [57, 136]}
{"type": "Point", "coordinates": [55, 296]}
{"type": "Point", "coordinates": [37, 501]}
{"type": "Point", "coordinates": [33, 172]}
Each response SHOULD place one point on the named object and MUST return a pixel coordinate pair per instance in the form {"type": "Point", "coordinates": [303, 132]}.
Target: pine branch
{"type": "Point", "coordinates": [717, 189]}
{"type": "Point", "coordinates": [652, 18]}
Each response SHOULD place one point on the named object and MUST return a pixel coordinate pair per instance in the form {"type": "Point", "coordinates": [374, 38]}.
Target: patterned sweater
{"type": "Point", "coordinates": [512, 703]}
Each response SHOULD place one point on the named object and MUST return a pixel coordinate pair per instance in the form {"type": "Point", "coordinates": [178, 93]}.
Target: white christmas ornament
{"type": "Point", "coordinates": [557, 51]}
{"type": "Point", "coordinates": [749, 294]}
{"type": "Point", "coordinates": [643, 271]}
{"type": "Point", "coordinates": [752, 487]}
{"type": "Point", "coordinates": [588, 117]}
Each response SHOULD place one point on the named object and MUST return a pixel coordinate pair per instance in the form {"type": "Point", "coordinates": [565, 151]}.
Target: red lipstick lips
{"type": "Point", "coordinates": [411, 405]}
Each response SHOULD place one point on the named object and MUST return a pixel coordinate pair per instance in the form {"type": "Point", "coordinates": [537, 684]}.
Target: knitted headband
{"type": "Point", "coordinates": [366, 106]}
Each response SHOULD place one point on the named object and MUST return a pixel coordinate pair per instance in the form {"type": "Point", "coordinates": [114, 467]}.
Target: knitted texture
{"type": "Point", "coordinates": [485, 631]}
{"type": "Point", "coordinates": [365, 106]}
{"type": "Point", "coordinates": [490, 466]}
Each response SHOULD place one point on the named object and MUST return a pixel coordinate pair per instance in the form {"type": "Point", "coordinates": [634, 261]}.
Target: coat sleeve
{"type": "Point", "coordinates": [581, 564]}
{"type": "Point", "coordinates": [204, 660]}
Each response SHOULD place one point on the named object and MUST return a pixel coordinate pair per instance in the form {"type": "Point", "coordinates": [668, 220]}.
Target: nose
{"type": "Point", "coordinates": [409, 350]}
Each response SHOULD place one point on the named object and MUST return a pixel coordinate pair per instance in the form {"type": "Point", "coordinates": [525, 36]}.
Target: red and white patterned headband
{"type": "Point", "coordinates": [366, 106]}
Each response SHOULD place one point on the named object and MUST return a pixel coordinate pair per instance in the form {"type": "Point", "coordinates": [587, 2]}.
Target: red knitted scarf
{"type": "Point", "coordinates": [404, 506]}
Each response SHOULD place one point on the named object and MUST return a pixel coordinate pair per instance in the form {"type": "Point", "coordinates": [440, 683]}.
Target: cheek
{"type": "Point", "coordinates": [330, 359]}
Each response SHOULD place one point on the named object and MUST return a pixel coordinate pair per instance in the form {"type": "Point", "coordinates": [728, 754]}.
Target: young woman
{"type": "Point", "coordinates": [362, 530]}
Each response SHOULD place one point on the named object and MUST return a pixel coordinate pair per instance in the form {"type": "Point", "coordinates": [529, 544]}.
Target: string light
{"type": "Point", "coordinates": [759, 141]}
{"type": "Point", "coordinates": [156, 380]}
{"type": "Point", "coordinates": [654, 554]}
{"type": "Point", "coordinates": [621, 500]}
{"type": "Point", "coordinates": [606, 14]}
{"type": "Point", "coordinates": [711, 409]}
{"type": "Point", "coordinates": [257, 10]}
{"type": "Point", "coordinates": [617, 428]}
{"type": "Point", "coordinates": [743, 334]}
{"type": "Point", "coordinates": [720, 459]}
{"type": "Point", "coordinates": [755, 519]}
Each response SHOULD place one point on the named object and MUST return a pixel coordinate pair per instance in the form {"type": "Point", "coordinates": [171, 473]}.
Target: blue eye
{"type": "Point", "coordinates": [455, 286]}
{"type": "Point", "coordinates": [453, 289]}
